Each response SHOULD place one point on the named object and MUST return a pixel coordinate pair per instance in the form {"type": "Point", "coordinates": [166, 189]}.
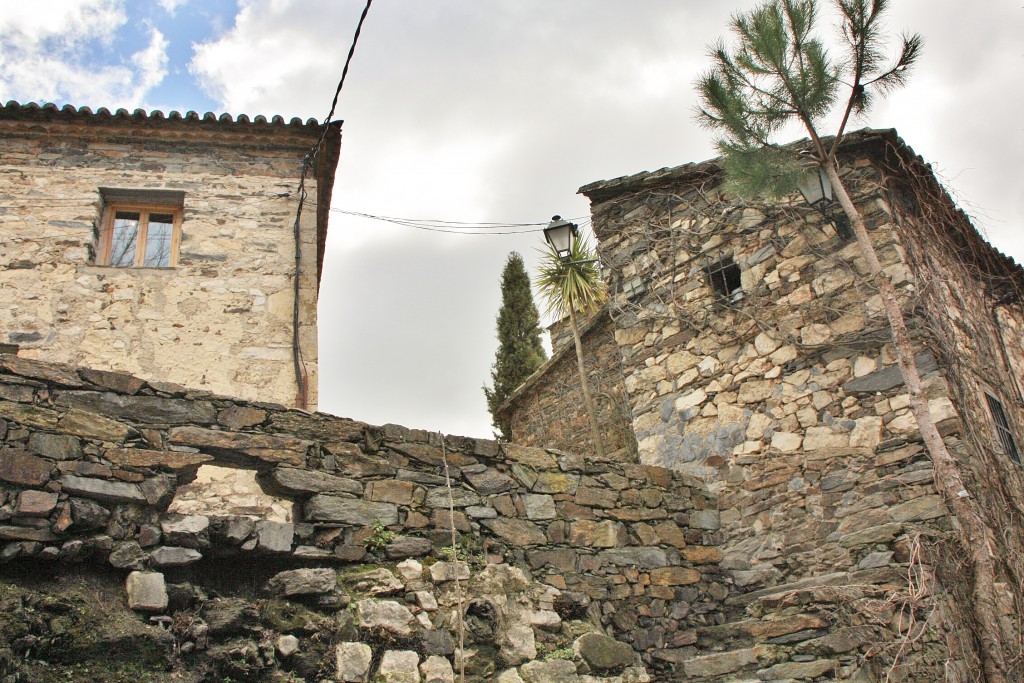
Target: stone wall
{"type": "Point", "coordinates": [785, 397]}
{"type": "Point", "coordinates": [219, 320]}
{"type": "Point", "coordinates": [548, 410]}
{"type": "Point", "coordinates": [91, 459]}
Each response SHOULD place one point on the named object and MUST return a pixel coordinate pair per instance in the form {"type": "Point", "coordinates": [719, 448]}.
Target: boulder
{"type": "Point", "coordinates": [602, 652]}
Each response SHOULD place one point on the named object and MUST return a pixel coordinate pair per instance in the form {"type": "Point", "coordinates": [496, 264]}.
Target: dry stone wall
{"type": "Point", "coordinates": [91, 459]}
{"type": "Point", "coordinates": [221, 319]}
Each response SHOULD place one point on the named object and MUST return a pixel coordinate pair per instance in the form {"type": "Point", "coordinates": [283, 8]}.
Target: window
{"type": "Point", "coordinates": [1002, 427]}
{"type": "Point", "coordinates": [725, 279]}
{"type": "Point", "coordinates": [140, 228]}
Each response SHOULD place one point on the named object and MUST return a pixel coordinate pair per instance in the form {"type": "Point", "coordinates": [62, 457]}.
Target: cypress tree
{"type": "Point", "coordinates": [519, 349]}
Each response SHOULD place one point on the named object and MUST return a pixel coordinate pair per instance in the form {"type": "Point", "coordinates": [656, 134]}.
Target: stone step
{"type": "Point", "coordinates": [865, 577]}
{"type": "Point", "coordinates": [721, 666]}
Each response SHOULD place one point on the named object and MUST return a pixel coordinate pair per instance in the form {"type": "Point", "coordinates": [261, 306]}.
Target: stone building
{"type": "Point", "coordinates": [756, 357]}
{"type": "Point", "coordinates": [547, 409]}
{"type": "Point", "coordinates": [165, 246]}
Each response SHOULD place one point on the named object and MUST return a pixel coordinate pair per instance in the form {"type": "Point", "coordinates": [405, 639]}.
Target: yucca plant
{"type": "Point", "coordinates": [573, 285]}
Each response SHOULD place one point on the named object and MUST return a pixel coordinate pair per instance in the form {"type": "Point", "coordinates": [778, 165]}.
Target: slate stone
{"type": "Point", "coordinates": [29, 415]}
{"type": "Point", "coordinates": [391, 491]}
{"type": "Point", "coordinates": [146, 591]}
{"type": "Point", "coordinates": [407, 546]}
{"type": "Point", "coordinates": [230, 617]}
{"type": "Point", "coordinates": [674, 576]}
{"type": "Point", "coordinates": [460, 497]}
{"type": "Point", "coordinates": [889, 377]}
{"type": "Point", "coordinates": [141, 409]}
{"type": "Point", "coordinates": [399, 666]}
{"type": "Point", "coordinates": [231, 530]}
{"type": "Point", "coordinates": [387, 615]}
{"type": "Point", "coordinates": [55, 446]}
{"type": "Point", "coordinates": [431, 455]}
{"type": "Point", "coordinates": [103, 490]}
{"type": "Point", "coordinates": [286, 646]}
{"type": "Point", "coordinates": [302, 582]}
{"type": "Point", "coordinates": [35, 503]}
{"type": "Point", "coordinates": [290, 481]}
{"type": "Point", "coordinates": [85, 515]}
{"type": "Point", "coordinates": [128, 555]}
{"type": "Point", "coordinates": [490, 481]}
{"type": "Point", "coordinates": [442, 572]}
{"type": "Point", "coordinates": [241, 447]}
{"type": "Point", "coordinates": [556, 482]}
{"type": "Point", "coordinates": [437, 669]}
{"type": "Point", "coordinates": [877, 534]}
{"type": "Point", "coordinates": [159, 490]}
{"type": "Point", "coordinates": [518, 532]}
{"type": "Point", "coordinates": [186, 531]}
{"type": "Point", "coordinates": [93, 426]}
{"type": "Point", "coordinates": [22, 469]}
{"type": "Point", "coordinates": [240, 417]}
{"type": "Point", "coordinates": [602, 652]}
{"type": "Point", "coordinates": [116, 381]}
{"type": "Point", "coordinates": [642, 557]}
{"type": "Point", "coordinates": [35, 369]}
{"type": "Point", "coordinates": [21, 533]}
{"type": "Point", "coordinates": [554, 671]}
{"type": "Point", "coordinates": [274, 537]}
{"type": "Point", "coordinates": [142, 457]}
{"type": "Point", "coordinates": [352, 662]}
{"type": "Point", "coordinates": [921, 508]}
{"type": "Point", "coordinates": [17, 393]}
{"type": "Point", "coordinates": [719, 664]}
{"type": "Point", "coordinates": [316, 426]}
{"type": "Point", "coordinates": [539, 506]}
{"type": "Point", "coordinates": [437, 642]}
{"type": "Point", "coordinates": [167, 556]}
{"type": "Point", "coordinates": [326, 508]}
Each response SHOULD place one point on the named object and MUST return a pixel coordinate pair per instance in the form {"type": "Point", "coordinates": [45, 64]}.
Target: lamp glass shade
{"type": "Point", "coordinates": [815, 187]}
{"type": "Point", "coordinates": [559, 235]}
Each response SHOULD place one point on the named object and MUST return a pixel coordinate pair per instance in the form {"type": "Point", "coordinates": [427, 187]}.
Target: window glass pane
{"type": "Point", "coordinates": [158, 240]}
{"type": "Point", "coordinates": [123, 241]}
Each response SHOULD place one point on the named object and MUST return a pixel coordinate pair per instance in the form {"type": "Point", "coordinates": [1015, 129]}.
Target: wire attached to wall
{"type": "Point", "coordinates": [301, 375]}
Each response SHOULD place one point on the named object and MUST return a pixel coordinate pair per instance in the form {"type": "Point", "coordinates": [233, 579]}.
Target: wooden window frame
{"type": "Point", "coordinates": [144, 211]}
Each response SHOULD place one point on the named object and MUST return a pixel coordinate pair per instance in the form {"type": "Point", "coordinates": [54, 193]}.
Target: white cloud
{"type": "Point", "coordinates": [51, 56]}
{"type": "Point", "coordinates": [171, 6]}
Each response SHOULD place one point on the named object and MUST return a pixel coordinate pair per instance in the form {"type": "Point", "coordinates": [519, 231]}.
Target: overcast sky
{"type": "Point", "coordinates": [487, 111]}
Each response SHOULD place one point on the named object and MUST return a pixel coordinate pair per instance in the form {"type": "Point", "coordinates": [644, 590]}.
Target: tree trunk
{"type": "Point", "coordinates": [974, 532]}
{"type": "Point", "coordinates": [585, 386]}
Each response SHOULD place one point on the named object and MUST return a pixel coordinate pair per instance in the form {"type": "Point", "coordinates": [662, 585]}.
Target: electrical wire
{"type": "Point", "coordinates": [301, 376]}
{"type": "Point", "coordinates": [457, 227]}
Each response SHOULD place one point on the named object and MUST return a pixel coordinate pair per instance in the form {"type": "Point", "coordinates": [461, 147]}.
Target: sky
{"type": "Point", "coordinates": [487, 111]}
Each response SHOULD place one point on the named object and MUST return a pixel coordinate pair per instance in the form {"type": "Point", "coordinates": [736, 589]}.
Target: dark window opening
{"type": "Point", "coordinates": [725, 279]}
{"type": "Point", "coordinates": [1003, 427]}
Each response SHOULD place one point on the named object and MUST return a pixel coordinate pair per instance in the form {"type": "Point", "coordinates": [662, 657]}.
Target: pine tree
{"type": "Point", "coordinates": [779, 73]}
{"type": "Point", "coordinates": [520, 352]}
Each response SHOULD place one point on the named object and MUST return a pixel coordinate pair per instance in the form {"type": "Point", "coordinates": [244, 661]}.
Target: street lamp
{"type": "Point", "coordinates": [560, 235]}
{"type": "Point", "coordinates": [816, 188]}
{"type": "Point", "coordinates": [817, 191]}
